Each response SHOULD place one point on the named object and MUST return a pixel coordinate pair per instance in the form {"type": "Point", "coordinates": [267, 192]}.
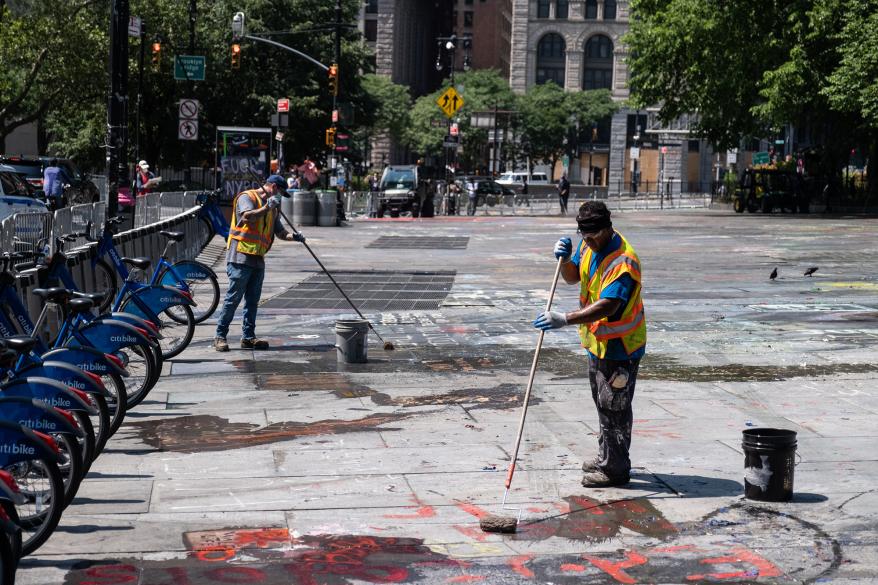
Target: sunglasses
{"type": "Point", "coordinates": [587, 234]}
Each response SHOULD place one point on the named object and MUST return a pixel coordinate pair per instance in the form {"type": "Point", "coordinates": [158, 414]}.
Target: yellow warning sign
{"type": "Point", "coordinates": [450, 101]}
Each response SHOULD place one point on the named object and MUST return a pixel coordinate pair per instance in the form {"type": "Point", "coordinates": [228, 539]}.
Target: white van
{"type": "Point", "coordinates": [15, 195]}
{"type": "Point", "coordinates": [515, 180]}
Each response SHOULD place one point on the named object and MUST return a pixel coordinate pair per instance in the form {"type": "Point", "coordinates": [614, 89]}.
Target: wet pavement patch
{"type": "Point", "coordinates": [726, 546]}
{"type": "Point", "coordinates": [595, 521]}
{"type": "Point", "coordinates": [420, 242]}
{"type": "Point", "coordinates": [661, 367]}
{"type": "Point", "coordinates": [192, 434]}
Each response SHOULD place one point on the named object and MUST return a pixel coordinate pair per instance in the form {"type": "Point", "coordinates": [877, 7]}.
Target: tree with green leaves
{"type": "Point", "coordinates": [749, 67]}
{"type": "Point", "coordinates": [48, 48]}
{"type": "Point", "coordinates": [548, 116]}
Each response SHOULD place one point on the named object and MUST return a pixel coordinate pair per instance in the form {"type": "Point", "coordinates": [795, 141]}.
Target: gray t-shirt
{"type": "Point", "coordinates": [233, 256]}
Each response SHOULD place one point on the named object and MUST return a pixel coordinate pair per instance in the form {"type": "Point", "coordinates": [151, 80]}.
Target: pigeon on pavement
{"type": "Point", "coordinates": [773, 274]}
{"type": "Point", "coordinates": [811, 271]}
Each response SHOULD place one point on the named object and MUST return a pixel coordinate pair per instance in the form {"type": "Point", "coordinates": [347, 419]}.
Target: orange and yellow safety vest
{"type": "Point", "coordinates": [256, 239]}
{"type": "Point", "coordinates": [630, 328]}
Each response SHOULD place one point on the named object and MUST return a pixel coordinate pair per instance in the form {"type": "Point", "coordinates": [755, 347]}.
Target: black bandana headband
{"type": "Point", "coordinates": [592, 224]}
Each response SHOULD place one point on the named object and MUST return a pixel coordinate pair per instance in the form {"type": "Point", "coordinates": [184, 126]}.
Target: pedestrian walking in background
{"type": "Point", "coordinates": [255, 223]}
{"type": "Point", "coordinates": [294, 181]}
{"type": "Point", "coordinates": [563, 193]}
{"type": "Point", "coordinates": [612, 328]}
{"type": "Point", "coordinates": [54, 180]}
{"type": "Point", "coordinates": [310, 174]}
{"type": "Point", "coordinates": [524, 195]}
{"type": "Point", "coordinates": [143, 176]}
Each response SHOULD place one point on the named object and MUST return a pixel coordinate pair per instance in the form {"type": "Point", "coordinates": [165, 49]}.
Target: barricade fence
{"type": "Point", "coordinates": [365, 203]}
{"type": "Point", "coordinates": [154, 207]}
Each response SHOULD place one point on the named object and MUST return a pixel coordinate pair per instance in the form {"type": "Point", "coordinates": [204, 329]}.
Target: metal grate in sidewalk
{"type": "Point", "coordinates": [421, 243]}
{"type": "Point", "coordinates": [372, 290]}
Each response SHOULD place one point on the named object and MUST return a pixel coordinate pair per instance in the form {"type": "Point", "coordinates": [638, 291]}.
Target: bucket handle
{"type": "Point", "coordinates": [798, 459]}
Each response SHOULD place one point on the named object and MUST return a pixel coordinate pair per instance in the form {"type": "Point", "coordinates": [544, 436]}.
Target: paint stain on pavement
{"type": "Point", "coordinates": [191, 434]}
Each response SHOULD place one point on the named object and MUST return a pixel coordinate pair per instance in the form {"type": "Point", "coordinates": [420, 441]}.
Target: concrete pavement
{"type": "Point", "coordinates": [282, 467]}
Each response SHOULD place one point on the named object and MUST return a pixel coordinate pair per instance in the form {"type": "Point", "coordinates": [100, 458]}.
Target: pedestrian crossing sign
{"type": "Point", "coordinates": [450, 102]}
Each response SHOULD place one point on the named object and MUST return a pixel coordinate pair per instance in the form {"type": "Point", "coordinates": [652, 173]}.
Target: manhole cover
{"type": "Point", "coordinates": [379, 290]}
{"type": "Point", "coordinates": [421, 243]}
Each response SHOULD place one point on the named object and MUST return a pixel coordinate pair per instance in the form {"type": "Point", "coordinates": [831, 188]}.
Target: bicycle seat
{"type": "Point", "coordinates": [140, 262]}
{"type": "Point", "coordinates": [176, 236]}
{"type": "Point", "coordinates": [20, 343]}
{"type": "Point", "coordinates": [56, 294]}
{"type": "Point", "coordinates": [81, 305]}
{"type": "Point", "coordinates": [95, 297]}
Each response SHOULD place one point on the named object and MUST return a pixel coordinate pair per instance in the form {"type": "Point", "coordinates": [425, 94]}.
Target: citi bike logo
{"type": "Point", "coordinates": [25, 326]}
{"type": "Point", "coordinates": [74, 384]}
{"type": "Point", "coordinates": [92, 367]}
{"type": "Point", "coordinates": [169, 300]}
{"type": "Point", "coordinates": [123, 339]}
{"type": "Point", "coordinates": [38, 425]}
{"type": "Point", "coordinates": [17, 449]}
{"type": "Point", "coordinates": [58, 401]}
{"type": "Point", "coordinates": [4, 331]}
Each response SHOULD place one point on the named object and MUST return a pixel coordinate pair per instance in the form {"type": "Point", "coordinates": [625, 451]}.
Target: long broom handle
{"type": "Point", "coordinates": [316, 259]}
{"type": "Point", "coordinates": [530, 380]}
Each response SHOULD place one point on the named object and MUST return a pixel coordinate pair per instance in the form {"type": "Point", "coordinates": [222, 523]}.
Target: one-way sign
{"type": "Point", "coordinates": [450, 101]}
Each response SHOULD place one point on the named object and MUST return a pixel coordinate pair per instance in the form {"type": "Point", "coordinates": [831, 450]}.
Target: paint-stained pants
{"type": "Point", "coordinates": [244, 282]}
{"type": "Point", "coordinates": [615, 414]}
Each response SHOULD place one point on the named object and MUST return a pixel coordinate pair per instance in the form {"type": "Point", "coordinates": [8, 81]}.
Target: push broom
{"type": "Point", "coordinates": [508, 524]}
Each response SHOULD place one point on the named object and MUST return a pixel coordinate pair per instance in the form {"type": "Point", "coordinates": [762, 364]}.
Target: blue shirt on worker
{"type": "Point", "coordinates": [620, 288]}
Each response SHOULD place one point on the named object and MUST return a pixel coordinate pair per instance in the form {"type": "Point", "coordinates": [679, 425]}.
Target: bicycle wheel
{"type": "Point", "coordinates": [117, 402]}
{"type": "Point", "coordinates": [88, 442]}
{"type": "Point", "coordinates": [177, 335]}
{"type": "Point", "coordinates": [42, 486]}
{"type": "Point", "coordinates": [8, 561]}
{"type": "Point", "coordinates": [141, 364]}
{"type": "Point", "coordinates": [205, 292]}
{"type": "Point", "coordinates": [101, 423]}
{"type": "Point", "coordinates": [70, 466]}
{"type": "Point", "coordinates": [14, 539]}
{"type": "Point", "coordinates": [103, 280]}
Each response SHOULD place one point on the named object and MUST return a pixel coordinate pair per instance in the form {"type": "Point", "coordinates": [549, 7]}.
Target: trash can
{"type": "Point", "coordinates": [327, 207]}
{"type": "Point", "coordinates": [304, 208]}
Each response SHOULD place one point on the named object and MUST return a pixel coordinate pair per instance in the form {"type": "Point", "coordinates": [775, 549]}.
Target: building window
{"type": "Point", "coordinates": [372, 7]}
{"type": "Point", "coordinates": [609, 9]}
{"type": "Point", "coordinates": [551, 59]}
{"type": "Point", "coordinates": [598, 64]}
{"type": "Point", "coordinates": [591, 9]}
{"type": "Point", "coordinates": [561, 8]}
{"type": "Point", "coordinates": [468, 18]}
{"type": "Point", "coordinates": [542, 8]}
{"type": "Point", "coordinates": [370, 30]}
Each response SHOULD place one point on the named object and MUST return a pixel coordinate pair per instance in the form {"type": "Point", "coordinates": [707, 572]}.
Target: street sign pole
{"type": "Point", "coordinates": [193, 11]}
{"type": "Point", "coordinates": [117, 125]}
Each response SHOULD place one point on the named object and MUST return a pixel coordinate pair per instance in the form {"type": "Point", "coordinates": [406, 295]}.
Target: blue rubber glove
{"type": "Point", "coordinates": [274, 202]}
{"type": "Point", "coordinates": [550, 320]}
{"type": "Point", "coordinates": [299, 237]}
{"type": "Point", "coordinates": [563, 249]}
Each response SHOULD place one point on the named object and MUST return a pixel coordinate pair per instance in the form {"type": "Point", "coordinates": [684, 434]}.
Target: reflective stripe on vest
{"type": "Point", "coordinates": [630, 328]}
{"type": "Point", "coordinates": [257, 240]}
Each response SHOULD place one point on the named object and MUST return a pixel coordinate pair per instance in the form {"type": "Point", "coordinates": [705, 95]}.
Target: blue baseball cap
{"type": "Point", "coordinates": [278, 182]}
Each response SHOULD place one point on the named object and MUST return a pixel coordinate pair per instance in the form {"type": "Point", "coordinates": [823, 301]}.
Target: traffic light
{"type": "Point", "coordinates": [156, 55]}
{"type": "Point", "coordinates": [333, 79]}
{"type": "Point", "coordinates": [236, 56]}
{"type": "Point", "coordinates": [330, 137]}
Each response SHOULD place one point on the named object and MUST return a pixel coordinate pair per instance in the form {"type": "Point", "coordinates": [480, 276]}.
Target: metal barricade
{"type": "Point", "coordinates": [27, 229]}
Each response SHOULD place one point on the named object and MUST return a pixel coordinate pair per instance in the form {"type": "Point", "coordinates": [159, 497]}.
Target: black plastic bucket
{"type": "Point", "coordinates": [769, 464]}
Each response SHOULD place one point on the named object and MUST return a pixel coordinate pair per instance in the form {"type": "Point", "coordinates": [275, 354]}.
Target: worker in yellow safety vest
{"type": "Point", "coordinates": [612, 328]}
{"type": "Point", "coordinates": [255, 223]}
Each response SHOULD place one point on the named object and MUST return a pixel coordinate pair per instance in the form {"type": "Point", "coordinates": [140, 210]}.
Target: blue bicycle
{"type": "Point", "coordinates": [190, 276]}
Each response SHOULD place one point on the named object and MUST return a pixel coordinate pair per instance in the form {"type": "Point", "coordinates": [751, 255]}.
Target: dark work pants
{"type": "Point", "coordinates": [562, 199]}
{"type": "Point", "coordinates": [615, 414]}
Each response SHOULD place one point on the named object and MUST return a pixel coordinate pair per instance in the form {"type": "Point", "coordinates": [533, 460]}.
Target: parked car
{"type": "Point", "coordinates": [484, 191]}
{"type": "Point", "coordinates": [515, 180]}
{"type": "Point", "coordinates": [405, 188]}
{"type": "Point", "coordinates": [16, 195]}
{"type": "Point", "coordinates": [81, 189]}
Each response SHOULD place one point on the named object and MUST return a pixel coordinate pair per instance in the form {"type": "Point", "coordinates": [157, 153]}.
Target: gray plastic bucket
{"type": "Point", "coordinates": [304, 208]}
{"type": "Point", "coordinates": [327, 213]}
{"type": "Point", "coordinates": [769, 464]}
{"type": "Point", "coordinates": [286, 204]}
{"type": "Point", "coordinates": [350, 340]}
